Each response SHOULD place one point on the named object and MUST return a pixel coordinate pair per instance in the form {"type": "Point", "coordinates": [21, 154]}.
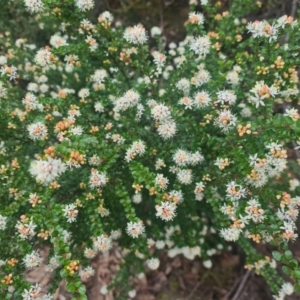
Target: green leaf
{"type": "Point", "coordinates": [297, 273]}
{"type": "Point", "coordinates": [293, 263]}
{"type": "Point", "coordinates": [276, 255]}
{"type": "Point", "coordinates": [288, 254]}
{"type": "Point", "coordinates": [297, 288]}
{"type": "Point", "coordinates": [286, 270]}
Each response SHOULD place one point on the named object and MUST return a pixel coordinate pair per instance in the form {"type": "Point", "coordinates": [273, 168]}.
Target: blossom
{"type": "Point", "coordinates": [196, 18]}
{"type": "Point", "coordinates": [3, 90]}
{"type": "Point", "coordinates": [84, 5]}
{"type": "Point", "coordinates": [183, 85]}
{"type": "Point", "coordinates": [185, 176]}
{"type": "Point", "coordinates": [167, 129]}
{"type": "Point", "coordinates": [2, 222]}
{"type": "Point", "coordinates": [99, 107]}
{"type": "Point", "coordinates": [33, 293]}
{"type": "Point", "coordinates": [136, 34]}
{"type": "Point", "coordinates": [155, 31]}
{"type": "Point", "coordinates": [44, 57]}
{"type": "Point", "coordinates": [200, 78]}
{"type": "Point", "coordinates": [86, 273]}
{"type": "Point", "coordinates": [26, 230]}
{"type": "Point", "coordinates": [102, 243]}
{"type": "Point", "coordinates": [46, 171]}
{"type": "Point", "coordinates": [135, 229]}
{"type": "Point", "coordinates": [293, 113]}
{"type": "Point", "coordinates": [153, 263]}
{"type": "Point", "coordinates": [34, 6]}
{"type": "Point", "coordinates": [226, 120]}
{"type": "Point", "coordinates": [201, 99]}
{"type": "Point", "coordinates": [11, 72]}
{"type": "Point", "coordinates": [57, 41]}
{"type": "Point", "coordinates": [235, 191]}
{"type": "Point", "coordinates": [97, 179]}
{"type": "Point", "coordinates": [230, 234]}
{"type": "Point", "coordinates": [70, 212]}
{"type": "Point", "coordinates": [260, 92]}
{"type": "Point", "coordinates": [159, 59]}
{"type": "Point", "coordinates": [37, 131]}
{"type": "Point", "coordinates": [161, 181]}
{"type": "Point", "coordinates": [166, 211]}
{"type": "Point", "coordinates": [137, 198]}
{"type": "Point", "coordinates": [106, 16]}
{"type": "Point", "coordinates": [32, 260]}
{"type": "Point", "coordinates": [200, 45]}
{"type": "Point", "coordinates": [226, 97]}
{"type": "Point", "coordinates": [99, 76]}
{"type": "Point", "coordinates": [160, 112]}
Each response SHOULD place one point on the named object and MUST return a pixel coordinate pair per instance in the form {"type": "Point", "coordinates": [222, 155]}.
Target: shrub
{"type": "Point", "coordinates": [111, 137]}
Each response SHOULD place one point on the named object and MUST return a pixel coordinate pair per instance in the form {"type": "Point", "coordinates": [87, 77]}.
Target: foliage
{"type": "Point", "coordinates": [111, 137]}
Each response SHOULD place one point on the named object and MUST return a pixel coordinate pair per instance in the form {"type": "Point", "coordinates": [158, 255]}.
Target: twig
{"type": "Point", "coordinates": [242, 285]}
{"type": "Point", "coordinates": [194, 290]}
{"type": "Point", "coordinates": [226, 297]}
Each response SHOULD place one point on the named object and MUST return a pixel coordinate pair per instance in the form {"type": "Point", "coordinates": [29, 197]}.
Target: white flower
{"type": "Point", "coordinates": [160, 112]}
{"type": "Point", "coordinates": [90, 253]}
{"type": "Point", "coordinates": [261, 92]}
{"type": "Point", "coordinates": [230, 234]}
{"type": "Point", "coordinates": [99, 76]}
{"type": "Point", "coordinates": [200, 78]}
{"type": "Point", "coordinates": [196, 18]}
{"type": "Point", "coordinates": [32, 260]}
{"type": "Point", "coordinates": [153, 263]}
{"type": "Point", "coordinates": [136, 34]}
{"type": "Point", "coordinates": [183, 85]}
{"type": "Point", "coordinates": [33, 293]}
{"type": "Point", "coordinates": [293, 113]}
{"type": "Point", "coordinates": [137, 198]}
{"type": "Point", "coordinates": [187, 102]}
{"type": "Point", "coordinates": [235, 191]}
{"type": "Point", "coordinates": [161, 181]}
{"type": "Point", "coordinates": [84, 93]}
{"type": "Point", "coordinates": [34, 6]}
{"type": "Point", "coordinates": [57, 41]}
{"type": "Point", "coordinates": [135, 229]}
{"type": "Point", "coordinates": [104, 290]}
{"type": "Point", "coordinates": [166, 211]}
{"type": "Point", "coordinates": [2, 222]}
{"type": "Point", "coordinates": [97, 179]}
{"type": "Point", "coordinates": [26, 230]}
{"type": "Point", "coordinates": [226, 97]}
{"type": "Point", "coordinates": [132, 293]}
{"type": "Point", "coordinates": [99, 107]}
{"type": "Point", "coordinates": [86, 273]}
{"type": "Point", "coordinates": [200, 45]}
{"type": "Point", "coordinates": [207, 264]}
{"type": "Point", "coordinates": [107, 16]}
{"type": "Point", "coordinates": [155, 31]}
{"type": "Point", "coordinates": [287, 288]}
{"type": "Point", "coordinates": [46, 171]}
{"type": "Point", "coordinates": [226, 120]}
{"type": "Point", "coordinates": [185, 176]}
{"type": "Point", "coordinates": [3, 90]}
{"type": "Point", "coordinates": [201, 99]}
{"type": "Point", "coordinates": [44, 57]}
{"type": "Point", "coordinates": [84, 5]}
{"type": "Point", "coordinates": [37, 131]}
{"type": "Point", "coordinates": [167, 129]}
{"type": "Point", "coordinates": [102, 243]}
{"type": "Point", "coordinates": [70, 212]}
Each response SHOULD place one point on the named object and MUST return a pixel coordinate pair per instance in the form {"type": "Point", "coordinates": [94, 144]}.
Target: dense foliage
{"type": "Point", "coordinates": [110, 137]}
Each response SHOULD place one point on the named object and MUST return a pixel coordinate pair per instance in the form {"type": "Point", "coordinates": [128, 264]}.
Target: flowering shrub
{"type": "Point", "coordinates": [179, 148]}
